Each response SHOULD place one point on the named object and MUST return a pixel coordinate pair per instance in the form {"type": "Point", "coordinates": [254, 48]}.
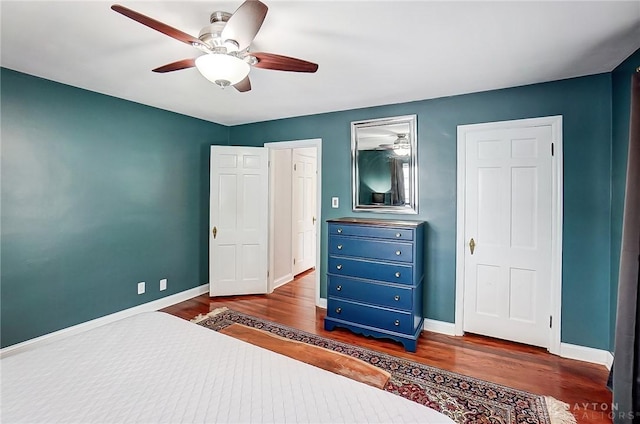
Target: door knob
{"type": "Point", "coordinates": [472, 245]}
{"type": "Point", "coordinates": [215, 232]}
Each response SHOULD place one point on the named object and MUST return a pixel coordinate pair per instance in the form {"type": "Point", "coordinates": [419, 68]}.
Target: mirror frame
{"type": "Point", "coordinates": [412, 206]}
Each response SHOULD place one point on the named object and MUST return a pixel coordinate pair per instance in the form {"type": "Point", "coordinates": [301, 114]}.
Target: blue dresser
{"type": "Point", "coordinates": [374, 278]}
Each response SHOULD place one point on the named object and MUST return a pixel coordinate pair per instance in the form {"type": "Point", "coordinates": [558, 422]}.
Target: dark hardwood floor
{"type": "Point", "coordinates": [580, 384]}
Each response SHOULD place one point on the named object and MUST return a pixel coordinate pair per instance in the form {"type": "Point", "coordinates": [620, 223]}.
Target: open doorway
{"type": "Point", "coordinates": [294, 210]}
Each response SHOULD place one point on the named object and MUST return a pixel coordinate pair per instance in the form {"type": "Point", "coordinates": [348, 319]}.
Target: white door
{"type": "Point", "coordinates": [304, 209]}
{"type": "Point", "coordinates": [238, 231]}
{"type": "Point", "coordinates": [508, 222]}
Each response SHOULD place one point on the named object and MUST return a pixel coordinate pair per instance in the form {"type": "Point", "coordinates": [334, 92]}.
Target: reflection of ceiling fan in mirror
{"type": "Point", "coordinates": [400, 146]}
{"type": "Point", "coordinates": [226, 46]}
{"type": "Point", "coordinates": [387, 136]}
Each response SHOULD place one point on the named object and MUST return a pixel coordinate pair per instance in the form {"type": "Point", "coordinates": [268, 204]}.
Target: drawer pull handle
{"type": "Point", "coordinates": [396, 323]}
{"type": "Point", "coordinates": [339, 230]}
{"type": "Point", "coordinates": [339, 247]}
{"type": "Point", "coordinates": [338, 310]}
{"type": "Point", "coordinates": [398, 253]}
{"type": "Point", "coordinates": [396, 297]}
{"type": "Point", "coordinates": [339, 266]}
{"type": "Point", "coordinates": [398, 235]}
{"type": "Point", "coordinates": [397, 274]}
{"type": "Point", "coordinates": [339, 288]}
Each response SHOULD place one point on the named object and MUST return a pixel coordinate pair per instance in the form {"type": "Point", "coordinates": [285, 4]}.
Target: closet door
{"type": "Point", "coordinates": [508, 232]}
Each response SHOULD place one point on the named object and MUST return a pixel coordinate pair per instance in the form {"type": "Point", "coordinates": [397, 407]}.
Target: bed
{"type": "Point", "coordinates": [157, 368]}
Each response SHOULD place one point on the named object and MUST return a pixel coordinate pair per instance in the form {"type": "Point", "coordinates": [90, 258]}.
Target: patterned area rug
{"type": "Point", "coordinates": [463, 399]}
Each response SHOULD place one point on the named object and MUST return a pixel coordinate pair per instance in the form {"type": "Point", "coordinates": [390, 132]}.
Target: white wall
{"type": "Point", "coordinates": [281, 172]}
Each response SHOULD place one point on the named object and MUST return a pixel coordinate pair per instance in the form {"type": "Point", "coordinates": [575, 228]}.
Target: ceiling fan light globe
{"type": "Point", "coordinates": [402, 151]}
{"type": "Point", "coordinates": [402, 147]}
{"type": "Point", "coordinates": [221, 69]}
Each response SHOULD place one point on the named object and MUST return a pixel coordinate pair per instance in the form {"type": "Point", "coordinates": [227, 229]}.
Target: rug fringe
{"type": "Point", "coordinates": [202, 317]}
{"type": "Point", "coordinates": [559, 412]}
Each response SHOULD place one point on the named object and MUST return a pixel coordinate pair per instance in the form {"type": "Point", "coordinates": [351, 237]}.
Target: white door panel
{"type": "Point", "coordinates": [304, 209]}
{"type": "Point", "coordinates": [508, 213]}
{"type": "Point", "coordinates": [238, 215]}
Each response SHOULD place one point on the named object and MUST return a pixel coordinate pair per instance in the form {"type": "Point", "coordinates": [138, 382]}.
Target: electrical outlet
{"type": "Point", "coordinates": [141, 287]}
{"type": "Point", "coordinates": [335, 202]}
{"type": "Point", "coordinates": [163, 284]}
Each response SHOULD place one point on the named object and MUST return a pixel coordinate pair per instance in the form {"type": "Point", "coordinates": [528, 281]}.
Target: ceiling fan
{"type": "Point", "coordinates": [401, 146]}
{"type": "Point", "coordinates": [225, 43]}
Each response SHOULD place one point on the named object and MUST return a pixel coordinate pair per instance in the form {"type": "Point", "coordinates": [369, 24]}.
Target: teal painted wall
{"type": "Point", "coordinates": [374, 175]}
{"type": "Point", "coordinates": [585, 104]}
{"type": "Point", "coordinates": [97, 194]}
{"type": "Point", "coordinates": [100, 193]}
{"type": "Point", "coordinates": [621, 103]}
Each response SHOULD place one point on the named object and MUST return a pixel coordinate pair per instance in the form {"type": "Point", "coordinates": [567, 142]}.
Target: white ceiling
{"type": "Point", "coordinates": [369, 52]}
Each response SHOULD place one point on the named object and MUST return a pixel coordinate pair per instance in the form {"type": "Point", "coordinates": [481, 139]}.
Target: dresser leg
{"type": "Point", "coordinates": [329, 326]}
{"type": "Point", "coordinates": [410, 345]}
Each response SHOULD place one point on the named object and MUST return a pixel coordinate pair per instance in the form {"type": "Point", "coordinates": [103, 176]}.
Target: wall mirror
{"type": "Point", "coordinates": [384, 165]}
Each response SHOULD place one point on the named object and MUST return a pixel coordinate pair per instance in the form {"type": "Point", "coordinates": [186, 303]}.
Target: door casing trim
{"type": "Point", "coordinates": [555, 122]}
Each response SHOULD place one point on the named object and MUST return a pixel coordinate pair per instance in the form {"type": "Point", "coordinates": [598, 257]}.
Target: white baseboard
{"type": "Point", "coordinates": [322, 302]}
{"type": "Point", "coordinates": [609, 358]}
{"type": "Point", "coordinates": [441, 327]}
{"type": "Point", "coordinates": [587, 354]}
{"type": "Point", "coordinates": [581, 353]}
{"type": "Point", "coordinates": [88, 325]}
{"type": "Point", "coordinates": [282, 281]}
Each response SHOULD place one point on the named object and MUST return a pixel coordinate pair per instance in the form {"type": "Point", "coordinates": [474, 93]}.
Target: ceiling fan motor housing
{"type": "Point", "coordinates": [212, 34]}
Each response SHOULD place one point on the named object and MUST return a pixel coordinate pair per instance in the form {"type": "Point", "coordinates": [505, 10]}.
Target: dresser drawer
{"type": "Point", "coordinates": [368, 270]}
{"type": "Point", "coordinates": [387, 319]}
{"type": "Point", "coordinates": [371, 231]}
{"type": "Point", "coordinates": [398, 297]}
{"type": "Point", "coordinates": [374, 249]}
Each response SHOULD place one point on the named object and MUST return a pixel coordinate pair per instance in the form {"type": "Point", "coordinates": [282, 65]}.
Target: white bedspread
{"type": "Point", "coordinates": [156, 368]}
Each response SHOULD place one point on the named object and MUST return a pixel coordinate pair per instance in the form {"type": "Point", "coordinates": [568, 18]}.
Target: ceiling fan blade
{"type": "Point", "coordinates": [245, 23]}
{"type": "Point", "coordinates": [244, 85]}
{"type": "Point", "coordinates": [157, 25]}
{"type": "Point", "coordinates": [176, 66]}
{"type": "Point", "coordinates": [283, 63]}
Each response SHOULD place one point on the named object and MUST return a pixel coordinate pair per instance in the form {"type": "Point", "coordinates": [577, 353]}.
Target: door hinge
{"type": "Point", "coordinates": [550, 321]}
{"type": "Point", "coordinates": [267, 273]}
{"type": "Point", "coordinates": [294, 261]}
{"type": "Point", "coordinates": [295, 167]}
{"type": "Point", "coordinates": [552, 149]}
